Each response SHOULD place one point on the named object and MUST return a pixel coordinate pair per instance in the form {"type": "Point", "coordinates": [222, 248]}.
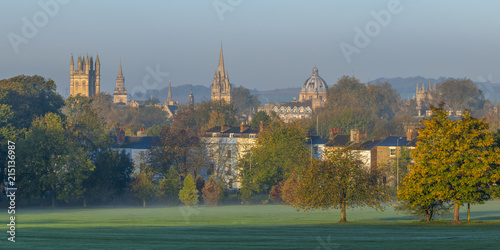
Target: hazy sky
{"type": "Point", "coordinates": [267, 44]}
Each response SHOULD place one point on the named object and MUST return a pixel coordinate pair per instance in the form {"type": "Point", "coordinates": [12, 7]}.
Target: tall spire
{"type": "Point", "coordinates": [221, 61]}
{"type": "Point", "coordinates": [120, 70]}
{"type": "Point", "coordinates": [169, 96]}
{"type": "Point", "coordinates": [72, 63]}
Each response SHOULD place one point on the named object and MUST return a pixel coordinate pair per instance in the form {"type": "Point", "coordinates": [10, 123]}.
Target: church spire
{"type": "Point", "coordinates": [120, 70]}
{"type": "Point", "coordinates": [221, 88]}
{"type": "Point", "coordinates": [221, 68]}
{"type": "Point", "coordinates": [169, 96]}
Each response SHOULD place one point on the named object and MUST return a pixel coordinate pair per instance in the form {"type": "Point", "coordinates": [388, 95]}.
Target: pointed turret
{"type": "Point", "coordinates": [72, 64]}
{"type": "Point", "coordinates": [79, 64]}
{"type": "Point", "coordinates": [97, 62]}
{"type": "Point", "coordinates": [97, 74]}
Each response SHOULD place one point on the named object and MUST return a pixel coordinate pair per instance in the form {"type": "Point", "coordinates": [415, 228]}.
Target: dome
{"type": "Point", "coordinates": [315, 83]}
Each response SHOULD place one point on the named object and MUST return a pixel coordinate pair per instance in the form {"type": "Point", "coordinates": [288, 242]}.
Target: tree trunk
{"type": "Point", "coordinates": [53, 195]}
{"type": "Point", "coordinates": [468, 212]}
{"type": "Point", "coordinates": [84, 202]}
{"type": "Point", "coordinates": [342, 213]}
{"type": "Point", "coordinates": [428, 215]}
{"type": "Point", "coordinates": [456, 211]}
{"type": "Point", "coordinates": [144, 203]}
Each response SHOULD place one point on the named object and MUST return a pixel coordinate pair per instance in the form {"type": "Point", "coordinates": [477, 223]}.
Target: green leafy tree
{"type": "Point", "coordinates": [42, 157]}
{"type": "Point", "coordinates": [30, 97]}
{"type": "Point", "coordinates": [143, 187]}
{"type": "Point", "coordinates": [455, 161]}
{"type": "Point", "coordinates": [169, 187]}
{"type": "Point", "coordinates": [243, 100]}
{"type": "Point", "coordinates": [189, 194]}
{"type": "Point", "coordinates": [280, 150]}
{"type": "Point", "coordinates": [459, 94]}
{"type": "Point", "coordinates": [258, 117]}
{"type": "Point", "coordinates": [352, 104]}
{"type": "Point", "coordinates": [111, 176]}
{"type": "Point", "coordinates": [211, 192]}
{"type": "Point", "coordinates": [338, 182]}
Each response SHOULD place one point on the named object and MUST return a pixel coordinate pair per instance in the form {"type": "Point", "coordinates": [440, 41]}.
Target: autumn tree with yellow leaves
{"type": "Point", "coordinates": [339, 182]}
{"type": "Point", "coordinates": [455, 161]}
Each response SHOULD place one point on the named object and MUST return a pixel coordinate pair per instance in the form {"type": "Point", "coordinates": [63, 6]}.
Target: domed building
{"type": "Point", "coordinates": [314, 89]}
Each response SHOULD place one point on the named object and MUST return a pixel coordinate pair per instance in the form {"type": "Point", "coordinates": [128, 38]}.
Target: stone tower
{"type": "Point", "coordinates": [422, 95]}
{"type": "Point", "coordinates": [221, 88]}
{"type": "Point", "coordinates": [85, 79]}
{"type": "Point", "coordinates": [191, 98]}
{"type": "Point", "coordinates": [120, 94]}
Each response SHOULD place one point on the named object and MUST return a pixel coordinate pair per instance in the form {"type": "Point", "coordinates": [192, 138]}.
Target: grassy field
{"type": "Point", "coordinates": [250, 227]}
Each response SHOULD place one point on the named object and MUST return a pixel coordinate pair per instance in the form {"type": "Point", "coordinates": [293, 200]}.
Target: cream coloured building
{"type": "Point", "coordinates": [86, 77]}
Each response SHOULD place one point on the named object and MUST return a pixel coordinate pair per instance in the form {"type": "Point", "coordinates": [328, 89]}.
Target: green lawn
{"type": "Point", "coordinates": [251, 227]}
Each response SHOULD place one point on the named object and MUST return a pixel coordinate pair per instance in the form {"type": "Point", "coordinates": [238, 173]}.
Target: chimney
{"type": "Point", "coordinates": [224, 127]}
{"type": "Point", "coordinates": [334, 132]}
{"type": "Point", "coordinates": [141, 132]}
{"type": "Point", "coordinates": [357, 135]}
{"type": "Point", "coordinates": [411, 134]}
{"type": "Point", "coordinates": [243, 127]}
{"type": "Point", "coordinates": [120, 136]}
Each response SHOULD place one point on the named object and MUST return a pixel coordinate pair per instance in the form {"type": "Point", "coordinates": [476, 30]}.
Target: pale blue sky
{"type": "Point", "coordinates": [267, 44]}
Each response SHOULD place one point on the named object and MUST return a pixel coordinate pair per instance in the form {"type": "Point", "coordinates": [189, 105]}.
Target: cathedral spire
{"type": "Point", "coordinates": [221, 68]}
{"type": "Point", "coordinates": [72, 63]}
{"type": "Point", "coordinates": [221, 88]}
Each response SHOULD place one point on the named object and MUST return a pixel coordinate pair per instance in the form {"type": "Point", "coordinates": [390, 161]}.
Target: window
{"type": "Point", "coordinates": [252, 136]}
{"type": "Point", "coordinates": [392, 152]}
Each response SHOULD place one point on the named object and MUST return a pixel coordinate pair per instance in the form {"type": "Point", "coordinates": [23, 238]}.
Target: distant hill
{"type": "Point", "coordinates": [404, 85]}
{"type": "Point", "coordinates": [179, 93]}
{"type": "Point", "coordinates": [202, 93]}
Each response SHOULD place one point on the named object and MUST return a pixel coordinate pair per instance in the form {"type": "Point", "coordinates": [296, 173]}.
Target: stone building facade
{"type": "Point", "coordinates": [85, 79]}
